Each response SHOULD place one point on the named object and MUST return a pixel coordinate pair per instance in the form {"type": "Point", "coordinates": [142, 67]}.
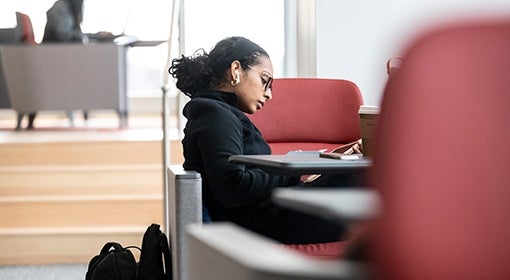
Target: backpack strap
{"type": "Point", "coordinates": [116, 246]}
{"type": "Point", "coordinates": [167, 256]}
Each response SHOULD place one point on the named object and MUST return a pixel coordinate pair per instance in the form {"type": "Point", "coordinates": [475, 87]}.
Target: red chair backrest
{"type": "Point", "coordinates": [307, 113]}
{"type": "Point", "coordinates": [27, 31]}
{"type": "Point", "coordinates": [442, 160]}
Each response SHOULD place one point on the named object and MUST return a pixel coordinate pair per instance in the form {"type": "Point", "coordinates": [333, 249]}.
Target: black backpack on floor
{"type": "Point", "coordinates": [155, 259]}
{"type": "Point", "coordinates": [115, 262]}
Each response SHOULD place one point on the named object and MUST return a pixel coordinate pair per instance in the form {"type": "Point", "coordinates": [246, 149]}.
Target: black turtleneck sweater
{"type": "Point", "coordinates": [215, 130]}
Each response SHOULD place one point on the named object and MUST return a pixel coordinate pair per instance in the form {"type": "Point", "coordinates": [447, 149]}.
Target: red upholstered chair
{"type": "Point", "coordinates": [442, 159]}
{"type": "Point", "coordinates": [310, 114]}
{"type": "Point", "coordinates": [26, 34]}
{"type": "Point", "coordinates": [25, 28]}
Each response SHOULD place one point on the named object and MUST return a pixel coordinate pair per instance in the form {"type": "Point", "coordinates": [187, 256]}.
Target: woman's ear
{"type": "Point", "coordinates": [235, 67]}
{"type": "Point", "coordinates": [235, 76]}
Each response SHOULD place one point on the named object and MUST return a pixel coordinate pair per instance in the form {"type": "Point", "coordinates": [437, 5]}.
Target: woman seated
{"type": "Point", "coordinates": [235, 78]}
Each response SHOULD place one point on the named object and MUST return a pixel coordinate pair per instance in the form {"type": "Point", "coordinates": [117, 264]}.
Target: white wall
{"type": "Point", "coordinates": [355, 38]}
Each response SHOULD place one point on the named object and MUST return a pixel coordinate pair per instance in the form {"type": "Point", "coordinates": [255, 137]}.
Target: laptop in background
{"type": "Point", "coordinates": [119, 39]}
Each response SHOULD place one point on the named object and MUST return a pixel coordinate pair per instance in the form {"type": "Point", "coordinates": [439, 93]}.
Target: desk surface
{"type": "Point", "coordinates": [131, 41]}
{"type": "Point", "coordinates": [302, 163]}
{"type": "Point", "coordinates": [339, 204]}
{"type": "Point", "coordinates": [146, 43]}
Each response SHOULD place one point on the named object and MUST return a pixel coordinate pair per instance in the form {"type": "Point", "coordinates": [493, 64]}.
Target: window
{"type": "Point", "coordinates": [146, 20]}
{"type": "Point", "coordinates": [262, 21]}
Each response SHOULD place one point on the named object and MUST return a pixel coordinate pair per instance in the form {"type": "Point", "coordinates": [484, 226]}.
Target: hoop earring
{"type": "Point", "coordinates": [234, 82]}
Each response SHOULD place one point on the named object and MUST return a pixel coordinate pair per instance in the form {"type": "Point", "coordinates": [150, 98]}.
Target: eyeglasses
{"type": "Point", "coordinates": [267, 84]}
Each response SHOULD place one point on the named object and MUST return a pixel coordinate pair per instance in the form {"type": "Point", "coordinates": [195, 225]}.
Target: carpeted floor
{"type": "Point", "coordinates": [43, 272]}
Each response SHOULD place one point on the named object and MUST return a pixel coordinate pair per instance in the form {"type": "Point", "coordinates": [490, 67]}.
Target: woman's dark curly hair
{"type": "Point", "coordinates": [205, 71]}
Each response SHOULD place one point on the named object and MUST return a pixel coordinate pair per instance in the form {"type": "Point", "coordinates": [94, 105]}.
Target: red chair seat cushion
{"type": "Point", "coordinates": [330, 250]}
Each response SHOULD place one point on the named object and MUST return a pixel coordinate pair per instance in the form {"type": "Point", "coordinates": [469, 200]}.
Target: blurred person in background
{"type": "Point", "coordinates": [63, 24]}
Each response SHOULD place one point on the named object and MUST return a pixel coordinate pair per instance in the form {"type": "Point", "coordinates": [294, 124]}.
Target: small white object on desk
{"type": "Point", "coordinates": [351, 156]}
{"type": "Point", "coordinates": [341, 156]}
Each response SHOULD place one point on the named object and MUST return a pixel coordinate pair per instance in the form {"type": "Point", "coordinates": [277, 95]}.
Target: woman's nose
{"type": "Point", "coordinates": [268, 94]}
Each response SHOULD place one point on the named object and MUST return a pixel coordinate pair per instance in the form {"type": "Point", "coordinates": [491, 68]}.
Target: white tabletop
{"type": "Point", "coordinates": [302, 163]}
{"type": "Point", "coordinates": [353, 204]}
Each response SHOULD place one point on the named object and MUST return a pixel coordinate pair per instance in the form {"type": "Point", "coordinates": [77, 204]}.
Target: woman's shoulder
{"type": "Point", "coordinates": [214, 100]}
{"type": "Point", "coordinates": [210, 108]}
{"type": "Point", "coordinates": [207, 104]}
